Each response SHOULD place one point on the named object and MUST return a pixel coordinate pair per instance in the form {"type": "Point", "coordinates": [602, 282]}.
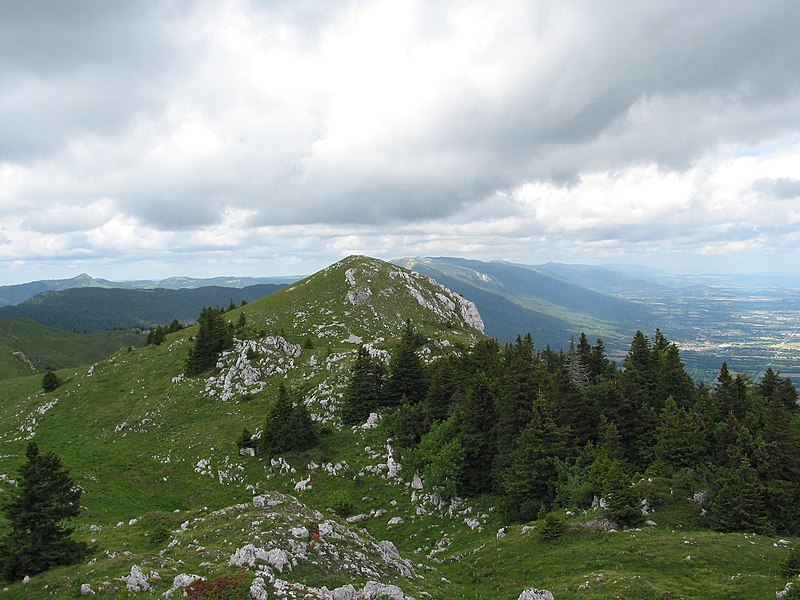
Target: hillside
{"type": "Point", "coordinates": [28, 347]}
{"type": "Point", "coordinates": [516, 299]}
{"type": "Point", "coordinates": [94, 309]}
{"type": "Point", "coordinates": [16, 294]}
{"type": "Point", "coordinates": [167, 492]}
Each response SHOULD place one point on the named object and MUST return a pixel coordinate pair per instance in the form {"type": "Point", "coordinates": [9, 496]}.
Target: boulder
{"type": "Point", "coordinates": [86, 590]}
{"type": "Point", "coordinates": [534, 594]}
{"type": "Point", "coordinates": [136, 581]}
{"type": "Point", "coordinates": [258, 589]}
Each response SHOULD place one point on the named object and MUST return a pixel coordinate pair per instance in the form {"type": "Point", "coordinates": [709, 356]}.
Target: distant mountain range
{"type": "Point", "coordinates": [15, 294]}
{"type": "Point", "coordinates": [94, 309]}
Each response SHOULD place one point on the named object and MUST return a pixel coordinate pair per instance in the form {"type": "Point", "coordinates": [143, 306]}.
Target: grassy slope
{"type": "Point", "coordinates": [133, 440]}
{"type": "Point", "coordinates": [49, 348]}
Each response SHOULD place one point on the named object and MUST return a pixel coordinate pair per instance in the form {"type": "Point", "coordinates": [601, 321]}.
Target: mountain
{"type": "Point", "coordinates": [168, 495]}
{"type": "Point", "coordinates": [516, 299]}
{"type": "Point", "coordinates": [155, 451]}
{"type": "Point", "coordinates": [94, 309]}
{"type": "Point", "coordinates": [29, 347]}
{"type": "Point", "coordinates": [15, 294]}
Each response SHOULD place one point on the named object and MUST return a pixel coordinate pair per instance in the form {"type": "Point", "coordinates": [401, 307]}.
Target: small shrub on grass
{"type": "Point", "coordinates": [553, 527]}
{"type": "Point", "coordinates": [341, 503]}
{"type": "Point", "coordinates": [227, 587]}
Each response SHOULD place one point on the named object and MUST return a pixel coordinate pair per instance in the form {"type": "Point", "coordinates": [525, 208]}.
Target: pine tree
{"type": "Point", "coordinates": [680, 441]}
{"type": "Point", "coordinates": [37, 508]}
{"type": "Point", "coordinates": [530, 480]}
{"type": "Point", "coordinates": [278, 433]}
{"type": "Point", "coordinates": [475, 415]}
{"type": "Point", "coordinates": [737, 502]}
{"type": "Point", "coordinates": [364, 391]}
{"type": "Point", "coordinates": [407, 375]}
{"type": "Point", "coordinates": [440, 392]}
{"type": "Point", "coordinates": [214, 336]}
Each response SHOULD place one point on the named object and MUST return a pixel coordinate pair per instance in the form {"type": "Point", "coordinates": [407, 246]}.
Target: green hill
{"type": "Point", "coordinates": [28, 347]}
{"type": "Point", "coordinates": [93, 309]}
{"type": "Point", "coordinates": [167, 491]}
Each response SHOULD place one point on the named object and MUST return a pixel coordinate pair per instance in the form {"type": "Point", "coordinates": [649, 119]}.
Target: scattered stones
{"type": "Point", "coordinates": [396, 521]}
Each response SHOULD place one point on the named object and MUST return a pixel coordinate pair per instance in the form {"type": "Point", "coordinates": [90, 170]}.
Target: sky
{"type": "Point", "coordinates": [274, 137]}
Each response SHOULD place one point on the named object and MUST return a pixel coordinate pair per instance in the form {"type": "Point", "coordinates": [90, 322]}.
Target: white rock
{"type": "Point", "coordinates": [534, 594]}
{"type": "Point", "coordinates": [26, 579]}
{"type": "Point", "coordinates": [396, 521]}
{"type": "Point", "coordinates": [86, 590]}
{"type": "Point", "coordinates": [299, 532]}
{"type": "Point", "coordinates": [136, 581]}
{"type": "Point", "coordinates": [258, 590]}
{"type": "Point", "coordinates": [372, 421]}
{"type": "Point", "coordinates": [501, 533]}
{"type": "Point", "coordinates": [247, 451]}
{"type": "Point", "coordinates": [373, 589]}
{"type": "Point", "coordinates": [416, 482]}
{"type": "Point", "coordinates": [346, 592]}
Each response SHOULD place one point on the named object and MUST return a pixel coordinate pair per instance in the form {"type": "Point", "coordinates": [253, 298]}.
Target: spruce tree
{"type": "Point", "coordinates": [407, 375]}
{"type": "Point", "coordinates": [680, 440]}
{"type": "Point", "coordinates": [214, 335]}
{"type": "Point", "coordinates": [364, 391]}
{"type": "Point", "coordinates": [37, 508]}
{"type": "Point", "coordinates": [530, 480]}
{"type": "Point", "coordinates": [440, 392]}
{"type": "Point", "coordinates": [475, 415]}
{"type": "Point", "coordinates": [737, 502]}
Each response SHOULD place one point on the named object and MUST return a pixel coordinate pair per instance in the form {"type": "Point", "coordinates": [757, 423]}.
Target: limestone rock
{"type": "Point", "coordinates": [534, 594]}
{"type": "Point", "coordinates": [136, 581]}
{"type": "Point", "coordinates": [86, 590]}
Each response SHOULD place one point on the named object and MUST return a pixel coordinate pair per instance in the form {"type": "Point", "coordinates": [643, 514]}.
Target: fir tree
{"type": "Point", "coordinates": [44, 498]}
{"type": "Point", "coordinates": [680, 441]}
{"type": "Point", "coordinates": [364, 391]}
{"type": "Point", "coordinates": [440, 392]}
{"type": "Point", "coordinates": [50, 382]}
{"type": "Point", "coordinates": [737, 502]}
{"type": "Point", "coordinates": [475, 416]}
{"type": "Point", "coordinates": [529, 482]}
{"type": "Point", "coordinates": [288, 428]}
{"type": "Point", "coordinates": [407, 375]}
{"type": "Point", "coordinates": [214, 336]}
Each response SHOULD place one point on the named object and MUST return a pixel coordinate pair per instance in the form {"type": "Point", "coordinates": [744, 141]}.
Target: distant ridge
{"type": "Point", "coordinates": [15, 294]}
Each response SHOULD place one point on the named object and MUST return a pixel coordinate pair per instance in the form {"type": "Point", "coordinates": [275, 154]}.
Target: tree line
{"type": "Point", "coordinates": [545, 429]}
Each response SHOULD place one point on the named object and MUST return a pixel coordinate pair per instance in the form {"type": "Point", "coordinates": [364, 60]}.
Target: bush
{"type": "Point", "coordinates": [341, 503]}
{"type": "Point", "coordinates": [50, 381]}
{"type": "Point", "coordinates": [790, 566]}
{"type": "Point", "coordinates": [553, 527]}
{"type": "Point", "coordinates": [227, 587]}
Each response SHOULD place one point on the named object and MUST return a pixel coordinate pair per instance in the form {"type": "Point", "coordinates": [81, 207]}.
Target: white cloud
{"type": "Point", "coordinates": [509, 129]}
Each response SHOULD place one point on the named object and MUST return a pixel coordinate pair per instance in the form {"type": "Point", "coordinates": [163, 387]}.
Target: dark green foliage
{"type": "Point", "coordinates": [440, 392]}
{"type": "Point", "coordinates": [440, 459]}
{"type": "Point", "coordinates": [37, 508]}
{"type": "Point", "coordinates": [680, 439]}
{"type": "Point", "coordinates": [50, 381]}
{"type": "Point", "coordinates": [737, 502]}
{"type": "Point", "coordinates": [790, 566]}
{"type": "Point", "coordinates": [533, 430]}
{"type": "Point", "coordinates": [552, 527]}
{"type": "Point", "coordinates": [91, 310]}
{"type": "Point", "coordinates": [289, 427]}
{"type": "Point", "coordinates": [409, 424]}
{"type": "Point", "coordinates": [529, 482]}
{"type": "Point", "coordinates": [156, 336]}
{"type": "Point", "coordinates": [245, 439]}
{"type": "Point", "coordinates": [475, 417]}
{"type": "Point", "coordinates": [364, 392]}
{"type": "Point", "coordinates": [241, 321]}
{"type": "Point", "coordinates": [214, 336]}
{"type": "Point", "coordinates": [407, 377]}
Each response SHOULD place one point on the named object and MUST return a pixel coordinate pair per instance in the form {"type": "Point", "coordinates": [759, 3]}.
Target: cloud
{"type": "Point", "coordinates": [492, 128]}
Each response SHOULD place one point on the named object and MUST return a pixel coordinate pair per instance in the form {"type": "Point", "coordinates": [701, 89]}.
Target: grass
{"type": "Point", "coordinates": [163, 453]}
{"type": "Point", "coordinates": [44, 348]}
